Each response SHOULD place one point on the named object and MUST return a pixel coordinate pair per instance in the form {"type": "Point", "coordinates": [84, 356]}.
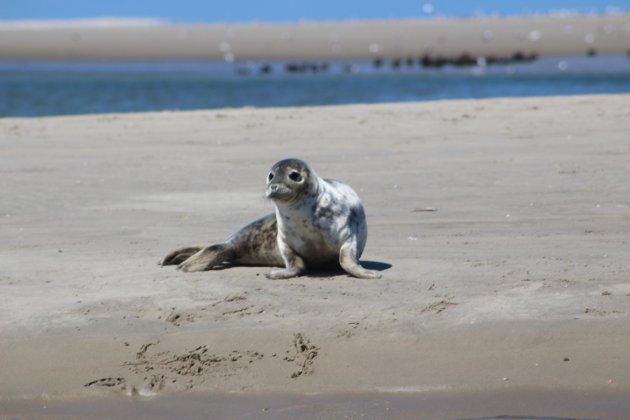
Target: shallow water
{"type": "Point", "coordinates": [506, 404]}
{"type": "Point", "coordinates": [65, 88]}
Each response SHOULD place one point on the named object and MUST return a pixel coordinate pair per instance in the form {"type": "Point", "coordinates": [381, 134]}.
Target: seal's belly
{"type": "Point", "coordinates": [316, 246]}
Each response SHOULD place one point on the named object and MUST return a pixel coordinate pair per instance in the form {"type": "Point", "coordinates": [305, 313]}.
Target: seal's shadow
{"type": "Point", "coordinates": [376, 265]}
{"type": "Point", "coordinates": [338, 271]}
{"type": "Point", "coordinates": [316, 273]}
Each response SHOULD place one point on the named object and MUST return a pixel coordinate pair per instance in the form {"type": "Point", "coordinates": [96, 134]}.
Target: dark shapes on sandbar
{"type": "Point", "coordinates": [467, 60]}
{"type": "Point", "coordinates": [306, 67]}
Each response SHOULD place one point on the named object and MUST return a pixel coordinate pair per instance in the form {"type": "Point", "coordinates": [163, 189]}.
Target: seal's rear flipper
{"type": "Point", "coordinates": [208, 258]}
{"type": "Point", "coordinates": [180, 255]}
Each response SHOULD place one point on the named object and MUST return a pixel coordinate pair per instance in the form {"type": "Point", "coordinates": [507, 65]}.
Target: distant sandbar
{"type": "Point", "coordinates": [449, 38]}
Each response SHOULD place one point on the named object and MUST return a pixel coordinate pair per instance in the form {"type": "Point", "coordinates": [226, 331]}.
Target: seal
{"type": "Point", "coordinates": [318, 223]}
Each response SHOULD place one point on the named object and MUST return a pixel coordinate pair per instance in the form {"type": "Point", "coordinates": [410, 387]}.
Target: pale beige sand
{"type": "Point", "coordinates": [518, 279]}
{"type": "Point", "coordinates": [542, 35]}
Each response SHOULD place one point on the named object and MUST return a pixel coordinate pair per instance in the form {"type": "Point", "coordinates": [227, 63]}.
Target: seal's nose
{"type": "Point", "coordinates": [272, 189]}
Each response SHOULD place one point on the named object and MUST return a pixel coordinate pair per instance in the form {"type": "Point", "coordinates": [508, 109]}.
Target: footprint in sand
{"type": "Point", "coordinates": [305, 354]}
{"type": "Point", "coordinates": [106, 382]}
{"type": "Point", "coordinates": [153, 386]}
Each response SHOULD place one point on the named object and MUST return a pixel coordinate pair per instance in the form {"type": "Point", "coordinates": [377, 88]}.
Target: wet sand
{"type": "Point", "coordinates": [516, 404]}
{"type": "Point", "coordinates": [501, 227]}
{"type": "Point", "coordinates": [487, 37]}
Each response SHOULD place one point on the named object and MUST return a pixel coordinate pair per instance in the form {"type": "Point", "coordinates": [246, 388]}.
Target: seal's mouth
{"type": "Point", "coordinates": [278, 192]}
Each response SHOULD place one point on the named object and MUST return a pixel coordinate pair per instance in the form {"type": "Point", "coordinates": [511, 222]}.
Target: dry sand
{"type": "Point", "coordinates": [502, 228]}
{"type": "Point", "coordinates": [542, 35]}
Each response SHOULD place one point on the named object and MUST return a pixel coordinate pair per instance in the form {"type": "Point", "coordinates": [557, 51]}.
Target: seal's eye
{"type": "Point", "coordinates": [270, 176]}
{"type": "Point", "coordinates": [295, 176]}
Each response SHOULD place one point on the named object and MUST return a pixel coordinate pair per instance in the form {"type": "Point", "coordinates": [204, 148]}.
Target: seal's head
{"type": "Point", "coordinates": [289, 180]}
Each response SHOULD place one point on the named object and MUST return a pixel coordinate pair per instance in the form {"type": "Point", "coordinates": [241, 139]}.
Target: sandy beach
{"type": "Point", "coordinates": [565, 35]}
{"type": "Point", "coordinates": [501, 227]}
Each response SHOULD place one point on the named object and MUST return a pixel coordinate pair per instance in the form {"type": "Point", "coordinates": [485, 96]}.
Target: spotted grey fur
{"type": "Point", "coordinates": [317, 223]}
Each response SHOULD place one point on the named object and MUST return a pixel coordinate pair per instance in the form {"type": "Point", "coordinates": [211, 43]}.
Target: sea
{"type": "Point", "coordinates": [49, 88]}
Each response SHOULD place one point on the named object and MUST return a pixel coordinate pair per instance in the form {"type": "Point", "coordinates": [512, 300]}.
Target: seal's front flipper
{"type": "Point", "coordinates": [208, 258]}
{"type": "Point", "coordinates": [293, 262]}
{"type": "Point", "coordinates": [350, 263]}
{"type": "Point", "coordinates": [284, 273]}
{"type": "Point", "coordinates": [180, 255]}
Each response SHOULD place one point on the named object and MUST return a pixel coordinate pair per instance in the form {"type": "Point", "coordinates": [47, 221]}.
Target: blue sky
{"type": "Point", "coordinates": [286, 10]}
